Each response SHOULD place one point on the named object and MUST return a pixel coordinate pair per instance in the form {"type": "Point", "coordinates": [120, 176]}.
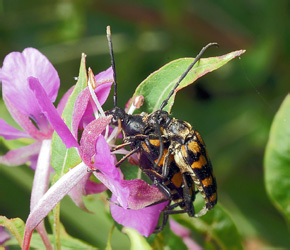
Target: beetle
{"type": "Point", "coordinates": [176, 187]}
{"type": "Point", "coordinates": [190, 154]}
{"type": "Point", "coordinates": [171, 153]}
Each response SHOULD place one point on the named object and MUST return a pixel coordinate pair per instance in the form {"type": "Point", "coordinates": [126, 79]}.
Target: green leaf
{"type": "Point", "coordinates": [69, 242]}
{"type": "Point", "coordinates": [277, 160]}
{"type": "Point", "coordinates": [66, 241]}
{"type": "Point", "coordinates": [132, 172]}
{"type": "Point", "coordinates": [62, 158]}
{"type": "Point", "coordinates": [217, 226]}
{"type": "Point", "coordinates": [156, 87]}
{"type": "Point", "coordinates": [137, 241]}
{"type": "Point", "coordinates": [15, 226]}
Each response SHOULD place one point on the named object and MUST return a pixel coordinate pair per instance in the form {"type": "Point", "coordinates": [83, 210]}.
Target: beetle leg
{"type": "Point", "coordinates": [188, 198]}
{"type": "Point", "coordinates": [166, 212]}
{"type": "Point", "coordinates": [161, 148]}
{"type": "Point", "coordinates": [126, 156]}
{"type": "Point", "coordinates": [166, 164]}
{"type": "Point", "coordinates": [121, 146]}
{"type": "Point", "coordinates": [158, 229]}
{"type": "Point", "coordinates": [154, 165]}
{"type": "Point", "coordinates": [156, 181]}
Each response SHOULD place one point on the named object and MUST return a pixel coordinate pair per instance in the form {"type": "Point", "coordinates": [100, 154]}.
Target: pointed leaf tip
{"type": "Point", "coordinates": [157, 86]}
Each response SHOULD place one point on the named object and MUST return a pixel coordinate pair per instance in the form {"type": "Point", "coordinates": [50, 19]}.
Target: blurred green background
{"type": "Point", "coordinates": [232, 108]}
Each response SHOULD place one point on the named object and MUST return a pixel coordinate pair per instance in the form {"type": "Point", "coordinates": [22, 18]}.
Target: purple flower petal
{"type": "Point", "coordinates": [110, 176]}
{"type": "Point", "coordinates": [135, 194]}
{"type": "Point", "coordinates": [33, 162]}
{"type": "Point", "coordinates": [178, 229]}
{"type": "Point", "coordinates": [51, 113]}
{"type": "Point", "coordinates": [92, 131]}
{"type": "Point", "coordinates": [83, 188]}
{"type": "Point", "coordinates": [11, 133]}
{"type": "Point", "coordinates": [43, 131]}
{"type": "Point", "coordinates": [88, 116]}
{"type": "Point", "coordinates": [185, 234]}
{"type": "Point", "coordinates": [141, 215]}
{"type": "Point", "coordinates": [20, 156]}
{"type": "Point", "coordinates": [50, 199]}
{"type": "Point", "coordinates": [104, 81]}
{"type": "Point", "coordinates": [17, 67]}
{"type": "Point", "coordinates": [94, 188]}
{"type": "Point", "coordinates": [18, 97]}
{"type": "Point", "coordinates": [80, 108]}
{"type": "Point", "coordinates": [142, 194]}
{"type": "Point", "coordinates": [4, 235]}
{"type": "Point", "coordinates": [105, 76]}
{"type": "Point", "coordinates": [83, 111]}
{"type": "Point", "coordinates": [191, 244]}
{"type": "Point", "coordinates": [78, 191]}
{"type": "Point", "coordinates": [102, 91]}
{"type": "Point", "coordinates": [103, 158]}
{"type": "Point", "coordinates": [143, 220]}
{"type": "Point", "coordinates": [113, 182]}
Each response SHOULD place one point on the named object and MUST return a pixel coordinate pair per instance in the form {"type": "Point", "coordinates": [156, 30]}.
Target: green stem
{"type": "Point", "coordinates": [109, 247]}
{"type": "Point", "coordinates": [56, 227]}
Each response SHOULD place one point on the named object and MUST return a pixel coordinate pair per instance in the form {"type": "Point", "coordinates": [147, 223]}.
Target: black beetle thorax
{"type": "Point", "coordinates": [177, 128]}
{"type": "Point", "coordinates": [133, 125]}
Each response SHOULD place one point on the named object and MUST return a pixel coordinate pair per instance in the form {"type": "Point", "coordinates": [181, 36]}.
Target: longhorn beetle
{"type": "Point", "coordinates": [171, 153]}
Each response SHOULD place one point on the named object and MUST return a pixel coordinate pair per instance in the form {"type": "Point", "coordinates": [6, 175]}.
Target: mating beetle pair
{"type": "Point", "coordinates": [171, 153]}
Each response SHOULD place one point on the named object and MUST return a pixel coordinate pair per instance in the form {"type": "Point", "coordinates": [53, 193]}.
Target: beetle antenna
{"type": "Point", "coordinates": [113, 64]}
{"type": "Point", "coordinates": [164, 103]}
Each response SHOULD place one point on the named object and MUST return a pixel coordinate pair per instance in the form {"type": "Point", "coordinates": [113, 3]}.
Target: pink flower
{"type": "Point", "coordinates": [185, 234]}
{"type": "Point", "coordinates": [4, 235]}
{"type": "Point", "coordinates": [22, 75]}
{"type": "Point", "coordinates": [75, 182]}
{"type": "Point", "coordinates": [20, 101]}
{"type": "Point", "coordinates": [133, 198]}
{"type": "Point", "coordinates": [19, 72]}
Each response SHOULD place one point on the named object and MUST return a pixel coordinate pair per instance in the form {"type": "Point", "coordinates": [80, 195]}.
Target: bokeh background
{"type": "Point", "coordinates": [232, 108]}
